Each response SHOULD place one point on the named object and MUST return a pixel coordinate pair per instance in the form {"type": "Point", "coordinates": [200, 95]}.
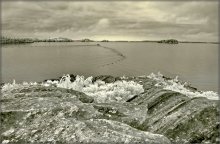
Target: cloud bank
{"type": "Point", "coordinates": [192, 21]}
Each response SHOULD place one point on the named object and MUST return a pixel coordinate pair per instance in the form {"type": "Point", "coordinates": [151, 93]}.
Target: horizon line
{"type": "Point", "coordinates": [117, 40]}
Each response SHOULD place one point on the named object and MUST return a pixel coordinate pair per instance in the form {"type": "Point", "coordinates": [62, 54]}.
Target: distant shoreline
{"type": "Point", "coordinates": [30, 40]}
{"type": "Point", "coordinates": [110, 41]}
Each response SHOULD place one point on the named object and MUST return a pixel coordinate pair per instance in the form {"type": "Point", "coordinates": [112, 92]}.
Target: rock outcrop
{"type": "Point", "coordinates": [48, 114]}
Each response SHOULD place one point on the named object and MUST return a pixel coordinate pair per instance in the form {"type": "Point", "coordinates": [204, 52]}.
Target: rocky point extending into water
{"type": "Point", "coordinates": [106, 109]}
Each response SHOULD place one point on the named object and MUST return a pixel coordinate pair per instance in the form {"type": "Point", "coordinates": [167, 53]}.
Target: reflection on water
{"type": "Point", "coordinates": [196, 63]}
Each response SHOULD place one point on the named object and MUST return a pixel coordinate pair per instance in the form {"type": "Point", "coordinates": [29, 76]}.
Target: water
{"type": "Point", "coordinates": [194, 63]}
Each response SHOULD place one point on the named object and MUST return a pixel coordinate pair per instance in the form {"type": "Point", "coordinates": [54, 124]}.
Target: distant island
{"type": "Point", "coordinates": [169, 41]}
{"type": "Point", "coordinates": [105, 41]}
{"type": "Point", "coordinates": [86, 40]}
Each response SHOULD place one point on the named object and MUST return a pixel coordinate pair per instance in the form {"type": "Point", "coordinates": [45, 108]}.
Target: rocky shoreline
{"type": "Point", "coordinates": [37, 113]}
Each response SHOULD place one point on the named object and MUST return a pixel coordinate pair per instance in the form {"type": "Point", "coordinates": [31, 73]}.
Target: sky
{"type": "Point", "coordinates": [98, 20]}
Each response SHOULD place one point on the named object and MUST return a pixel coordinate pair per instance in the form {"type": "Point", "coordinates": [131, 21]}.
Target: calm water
{"type": "Point", "coordinates": [195, 63]}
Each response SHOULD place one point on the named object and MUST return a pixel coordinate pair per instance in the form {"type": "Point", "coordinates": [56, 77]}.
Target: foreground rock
{"type": "Point", "coordinates": [39, 114]}
{"type": "Point", "coordinates": [180, 118]}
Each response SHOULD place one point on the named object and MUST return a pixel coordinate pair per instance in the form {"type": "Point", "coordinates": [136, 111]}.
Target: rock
{"type": "Point", "coordinates": [180, 118]}
{"type": "Point", "coordinates": [72, 77]}
{"type": "Point", "coordinates": [49, 114]}
{"type": "Point", "coordinates": [51, 80]}
{"type": "Point", "coordinates": [39, 114]}
{"type": "Point", "coordinates": [106, 78]}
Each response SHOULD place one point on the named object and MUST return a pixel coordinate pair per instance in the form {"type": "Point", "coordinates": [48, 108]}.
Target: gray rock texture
{"type": "Point", "coordinates": [39, 114]}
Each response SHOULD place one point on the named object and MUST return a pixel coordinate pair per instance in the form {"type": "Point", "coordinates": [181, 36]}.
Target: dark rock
{"type": "Point", "coordinates": [51, 80]}
{"type": "Point", "coordinates": [72, 77]}
{"type": "Point", "coordinates": [106, 78]}
{"type": "Point", "coordinates": [131, 99]}
{"type": "Point", "coordinates": [191, 88]}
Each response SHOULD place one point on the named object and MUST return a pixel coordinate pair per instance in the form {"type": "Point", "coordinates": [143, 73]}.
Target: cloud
{"type": "Point", "coordinates": [103, 23]}
{"type": "Point", "coordinates": [112, 20]}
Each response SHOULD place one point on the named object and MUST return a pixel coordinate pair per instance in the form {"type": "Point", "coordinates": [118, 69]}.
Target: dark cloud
{"type": "Point", "coordinates": [197, 21]}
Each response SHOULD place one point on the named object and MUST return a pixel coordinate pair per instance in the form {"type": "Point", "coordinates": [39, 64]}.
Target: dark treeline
{"type": "Point", "coordinates": [6, 40]}
{"type": "Point", "coordinates": [54, 40]}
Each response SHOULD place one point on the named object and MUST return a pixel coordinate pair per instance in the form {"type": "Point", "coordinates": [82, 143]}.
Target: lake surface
{"type": "Point", "coordinates": [194, 63]}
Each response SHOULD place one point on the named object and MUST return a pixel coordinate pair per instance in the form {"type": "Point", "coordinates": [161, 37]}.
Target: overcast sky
{"type": "Point", "coordinates": [192, 21]}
